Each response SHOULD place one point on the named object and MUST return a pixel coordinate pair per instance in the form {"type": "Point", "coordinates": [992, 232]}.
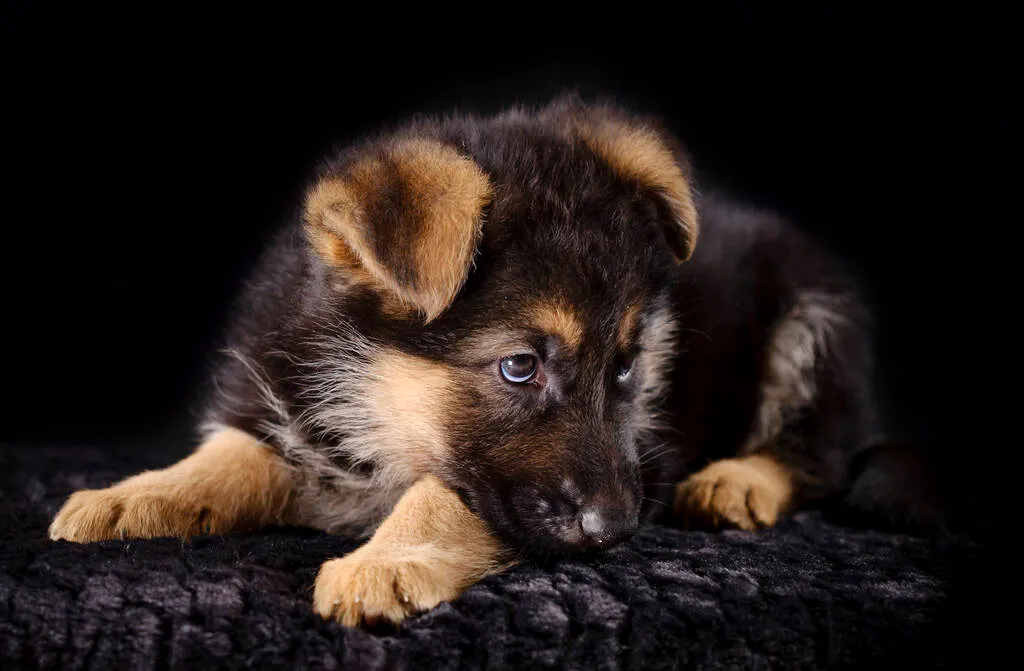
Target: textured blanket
{"type": "Point", "coordinates": [807, 594]}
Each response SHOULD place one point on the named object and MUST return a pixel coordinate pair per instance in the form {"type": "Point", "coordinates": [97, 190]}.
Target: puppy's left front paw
{"type": "Point", "coordinates": [747, 493]}
{"type": "Point", "coordinates": [368, 587]}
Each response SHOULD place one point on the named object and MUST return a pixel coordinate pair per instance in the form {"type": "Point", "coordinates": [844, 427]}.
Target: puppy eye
{"type": "Point", "coordinates": [624, 366]}
{"type": "Point", "coordinates": [520, 368]}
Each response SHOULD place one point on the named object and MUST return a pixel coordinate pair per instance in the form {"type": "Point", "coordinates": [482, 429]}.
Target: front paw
{"type": "Point", "coordinates": [747, 494]}
{"type": "Point", "coordinates": [130, 512]}
{"type": "Point", "coordinates": [370, 586]}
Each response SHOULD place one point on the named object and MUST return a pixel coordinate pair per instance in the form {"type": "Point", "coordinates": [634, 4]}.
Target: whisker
{"type": "Point", "coordinates": [656, 453]}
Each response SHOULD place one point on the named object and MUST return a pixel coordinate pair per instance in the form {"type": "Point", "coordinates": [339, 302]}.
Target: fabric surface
{"type": "Point", "coordinates": [807, 594]}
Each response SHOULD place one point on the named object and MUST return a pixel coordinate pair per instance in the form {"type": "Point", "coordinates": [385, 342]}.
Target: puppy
{"type": "Point", "coordinates": [487, 337]}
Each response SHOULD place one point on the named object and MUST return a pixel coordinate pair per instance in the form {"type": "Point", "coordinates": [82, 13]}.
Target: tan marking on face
{"type": "Point", "coordinates": [232, 482]}
{"type": "Point", "coordinates": [748, 493]}
{"type": "Point", "coordinates": [428, 550]}
{"type": "Point", "coordinates": [445, 196]}
{"type": "Point", "coordinates": [628, 326]}
{"type": "Point", "coordinates": [636, 152]}
{"type": "Point", "coordinates": [408, 398]}
{"type": "Point", "coordinates": [560, 320]}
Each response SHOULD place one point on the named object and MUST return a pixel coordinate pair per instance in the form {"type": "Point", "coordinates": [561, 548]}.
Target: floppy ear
{"type": "Point", "coordinates": [405, 217]}
{"type": "Point", "coordinates": [641, 150]}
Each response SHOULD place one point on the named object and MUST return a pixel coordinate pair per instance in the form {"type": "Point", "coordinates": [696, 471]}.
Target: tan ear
{"type": "Point", "coordinates": [405, 217]}
{"type": "Point", "coordinates": [638, 152]}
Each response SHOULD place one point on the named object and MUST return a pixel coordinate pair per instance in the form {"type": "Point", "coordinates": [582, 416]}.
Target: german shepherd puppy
{"type": "Point", "coordinates": [487, 337]}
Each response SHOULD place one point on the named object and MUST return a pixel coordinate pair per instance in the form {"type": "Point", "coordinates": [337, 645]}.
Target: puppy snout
{"type": "Point", "coordinates": [568, 518]}
{"type": "Point", "coordinates": [603, 527]}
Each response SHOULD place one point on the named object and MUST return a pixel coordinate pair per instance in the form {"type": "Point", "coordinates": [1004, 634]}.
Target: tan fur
{"type": "Point", "coordinates": [429, 549]}
{"type": "Point", "coordinates": [628, 326]}
{"type": "Point", "coordinates": [445, 191]}
{"type": "Point", "coordinates": [408, 398]}
{"type": "Point", "coordinates": [391, 409]}
{"type": "Point", "coordinates": [748, 493]}
{"type": "Point", "coordinates": [338, 254]}
{"type": "Point", "coordinates": [231, 482]}
{"type": "Point", "coordinates": [353, 275]}
{"type": "Point", "coordinates": [558, 319]}
{"type": "Point", "coordinates": [636, 152]}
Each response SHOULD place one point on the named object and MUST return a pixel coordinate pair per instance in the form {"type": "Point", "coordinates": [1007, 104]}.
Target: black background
{"type": "Point", "coordinates": [147, 157]}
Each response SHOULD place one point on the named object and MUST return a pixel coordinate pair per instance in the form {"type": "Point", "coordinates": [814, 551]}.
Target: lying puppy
{"type": "Point", "coordinates": [484, 338]}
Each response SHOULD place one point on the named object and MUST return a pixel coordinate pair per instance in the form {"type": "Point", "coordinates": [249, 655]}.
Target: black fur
{"type": "Point", "coordinates": [745, 276]}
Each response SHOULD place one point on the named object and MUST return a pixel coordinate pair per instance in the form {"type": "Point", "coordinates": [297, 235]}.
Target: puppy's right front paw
{"type": "Point", "coordinates": [88, 515]}
{"type": "Point", "coordinates": [130, 512]}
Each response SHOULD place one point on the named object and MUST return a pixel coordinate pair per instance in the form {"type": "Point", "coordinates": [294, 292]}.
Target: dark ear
{"type": "Point", "coordinates": [405, 217]}
{"type": "Point", "coordinates": [640, 150]}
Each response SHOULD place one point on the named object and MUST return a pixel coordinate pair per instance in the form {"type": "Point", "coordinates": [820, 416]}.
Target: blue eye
{"type": "Point", "coordinates": [520, 368]}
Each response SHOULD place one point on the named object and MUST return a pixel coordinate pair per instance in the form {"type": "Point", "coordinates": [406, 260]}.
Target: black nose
{"type": "Point", "coordinates": [604, 527]}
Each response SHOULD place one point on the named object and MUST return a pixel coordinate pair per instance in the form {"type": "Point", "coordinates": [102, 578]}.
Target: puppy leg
{"type": "Point", "coordinates": [748, 493]}
{"type": "Point", "coordinates": [816, 410]}
{"type": "Point", "coordinates": [428, 550]}
{"type": "Point", "coordinates": [231, 482]}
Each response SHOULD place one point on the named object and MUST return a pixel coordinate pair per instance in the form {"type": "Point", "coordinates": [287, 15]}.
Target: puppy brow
{"type": "Point", "coordinates": [628, 326]}
{"type": "Point", "coordinates": [560, 320]}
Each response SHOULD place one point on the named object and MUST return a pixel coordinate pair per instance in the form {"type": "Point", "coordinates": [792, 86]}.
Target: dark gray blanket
{"type": "Point", "coordinates": [804, 595]}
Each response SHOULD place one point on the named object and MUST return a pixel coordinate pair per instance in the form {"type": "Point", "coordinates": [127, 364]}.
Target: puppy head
{"type": "Point", "coordinates": [520, 286]}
